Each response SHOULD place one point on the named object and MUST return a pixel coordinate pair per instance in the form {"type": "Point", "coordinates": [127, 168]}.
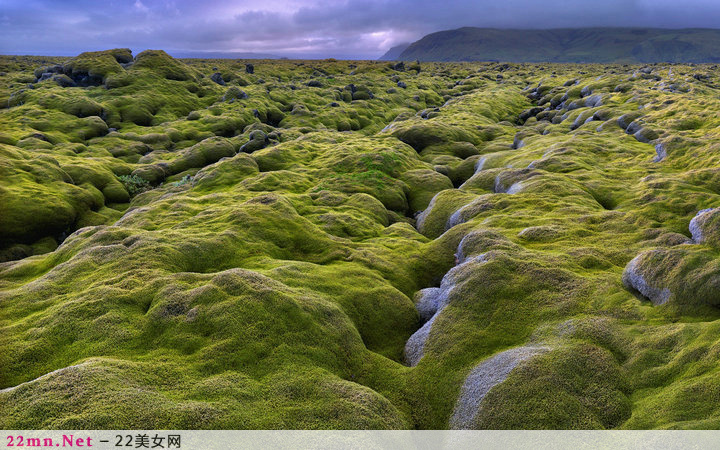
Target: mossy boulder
{"type": "Point", "coordinates": [154, 173]}
{"type": "Point", "coordinates": [202, 154]}
{"type": "Point", "coordinates": [160, 63]}
{"type": "Point", "coordinates": [421, 135]}
{"type": "Point", "coordinates": [705, 227]}
{"type": "Point", "coordinates": [432, 221]}
{"type": "Point", "coordinates": [91, 68]}
{"type": "Point", "coordinates": [82, 107]}
{"type": "Point", "coordinates": [594, 397]}
{"type": "Point", "coordinates": [423, 184]}
{"type": "Point", "coordinates": [540, 233]}
{"type": "Point", "coordinates": [227, 172]}
{"type": "Point", "coordinates": [234, 93]}
{"type": "Point", "coordinates": [137, 114]}
{"type": "Point", "coordinates": [63, 80]}
{"type": "Point", "coordinates": [681, 275]}
{"type": "Point", "coordinates": [258, 140]}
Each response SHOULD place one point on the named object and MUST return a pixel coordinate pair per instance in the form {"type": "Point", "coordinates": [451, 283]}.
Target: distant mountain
{"type": "Point", "coordinates": [598, 45]}
{"type": "Point", "coordinates": [394, 53]}
{"type": "Point", "coordinates": [224, 55]}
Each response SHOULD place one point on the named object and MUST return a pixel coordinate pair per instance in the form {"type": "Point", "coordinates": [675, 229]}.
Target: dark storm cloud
{"type": "Point", "coordinates": [303, 28]}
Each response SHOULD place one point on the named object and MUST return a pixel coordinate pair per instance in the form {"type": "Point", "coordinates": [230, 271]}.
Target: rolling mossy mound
{"type": "Point", "coordinates": [311, 245]}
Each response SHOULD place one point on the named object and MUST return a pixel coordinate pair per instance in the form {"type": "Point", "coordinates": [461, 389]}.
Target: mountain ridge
{"type": "Point", "coordinates": [567, 45]}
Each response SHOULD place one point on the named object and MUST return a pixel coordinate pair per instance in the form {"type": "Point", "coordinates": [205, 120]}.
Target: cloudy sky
{"type": "Point", "coordinates": [306, 28]}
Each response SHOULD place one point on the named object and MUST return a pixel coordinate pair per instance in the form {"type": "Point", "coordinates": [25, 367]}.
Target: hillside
{"type": "Point", "coordinates": [589, 45]}
{"type": "Point", "coordinates": [194, 244]}
{"type": "Point", "coordinates": [394, 53]}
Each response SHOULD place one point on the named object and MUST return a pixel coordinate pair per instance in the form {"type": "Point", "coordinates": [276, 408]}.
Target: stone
{"type": "Point", "coordinates": [258, 140]}
{"type": "Point", "coordinates": [646, 135]}
{"type": "Point", "coordinates": [634, 278]}
{"type": "Point", "coordinates": [217, 78]}
{"type": "Point", "coordinates": [63, 80]}
{"type": "Point", "coordinates": [705, 227]}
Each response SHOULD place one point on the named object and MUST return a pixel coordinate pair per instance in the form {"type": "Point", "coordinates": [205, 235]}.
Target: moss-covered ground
{"type": "Point", "coordinates": [187, 244]}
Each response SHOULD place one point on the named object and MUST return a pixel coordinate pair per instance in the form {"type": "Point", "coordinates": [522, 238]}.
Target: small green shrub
{"type": "Point", "coordinates": [134, 184]}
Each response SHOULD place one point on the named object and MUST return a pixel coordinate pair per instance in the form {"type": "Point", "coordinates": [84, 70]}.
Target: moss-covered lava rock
{"type": "Point", "coordinates": [350, 244]}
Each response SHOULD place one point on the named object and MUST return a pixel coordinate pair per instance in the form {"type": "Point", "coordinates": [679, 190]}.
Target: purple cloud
{"type": "Point", "coordinates": [303, 28]}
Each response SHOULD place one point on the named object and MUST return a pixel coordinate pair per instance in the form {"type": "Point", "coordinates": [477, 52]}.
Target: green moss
{"type": "Point", "coordinates": [94, 67]}
{"type": "Point", "coordinates": [577, 387]}
{"type": "Point", "coordinates": [423, 184]}
{"type": "Point", "coordinates": [176, 281]}
{"type": "Point", "coordinates": [159, 62]}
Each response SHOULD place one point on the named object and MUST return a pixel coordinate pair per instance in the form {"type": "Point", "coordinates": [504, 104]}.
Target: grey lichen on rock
{"type": "Point", "coordinates": [705, 227]}
{"type": "Point", "coordinates": [484, 377]}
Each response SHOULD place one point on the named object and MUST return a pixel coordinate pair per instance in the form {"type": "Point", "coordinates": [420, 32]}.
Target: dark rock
{"type": "Point", "coordinates": [401, 84]}
{"type": "Point", "coordinates": [633, 128]}
{"type": "Point", "coordinates": [528, 113]}
{"type": "Point", "coordinates": [625, 120]}
{"type": "Point", "coordinates": [602, 115]}
{"type": "Point", "coordinates": [258, 140]}
{"type": "Point", "coordinates": [217, 77]}
{"type": "Point", "coordinates": [249, 68]}
{"type": "Point", "coordinates": [63, 80]}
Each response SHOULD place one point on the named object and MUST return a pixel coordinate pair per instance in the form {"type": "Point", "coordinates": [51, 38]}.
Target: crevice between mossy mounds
{"type": "Point", "coordinates": [606, 201]}
{"type": "Point", "coordinates": [37, 245]}
{"type": "Point", "coordinates": [432, 301]}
